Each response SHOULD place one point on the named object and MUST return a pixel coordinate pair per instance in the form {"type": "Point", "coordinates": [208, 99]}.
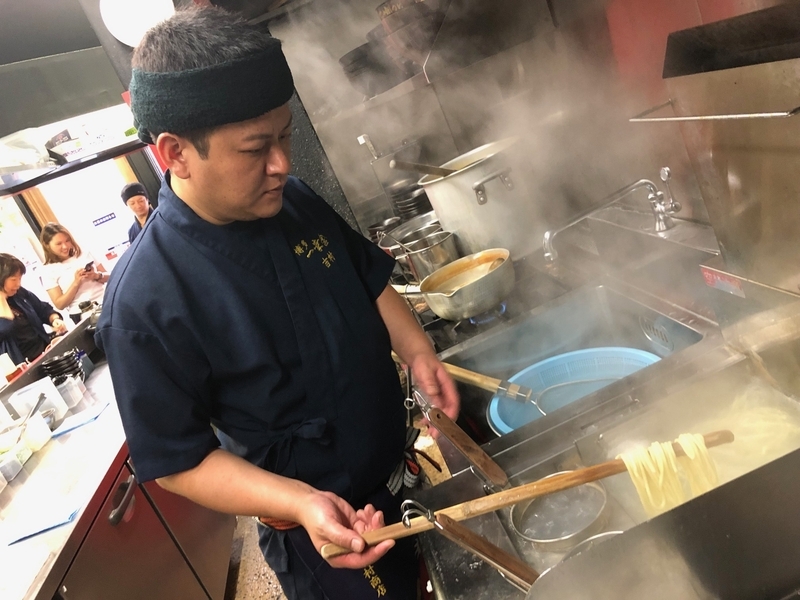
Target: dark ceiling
{"type": "Point", "coordinates": [36, 28]}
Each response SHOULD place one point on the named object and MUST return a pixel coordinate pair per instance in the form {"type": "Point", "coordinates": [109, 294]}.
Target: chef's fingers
{"type": "Point", "coordinates": [424, 372]}
{"type": "Point", "coordinates": [449, 401]}
{"type": "Point", "coordinates": [364, 559]}
{"type": "Point", "coordinates": [365, 514]}
{"type": "Point", "coordinates": [369, 518]}
{"type": "Point", "coordinates": [328, 518]}
{"type": "Point", "coordinates": [377, 520]}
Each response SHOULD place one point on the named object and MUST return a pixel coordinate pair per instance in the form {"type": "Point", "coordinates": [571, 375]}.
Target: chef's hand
{"type": "Point", "coordinates": [437, 384]}
{"type": "Point", "coordinates": [329, 519]}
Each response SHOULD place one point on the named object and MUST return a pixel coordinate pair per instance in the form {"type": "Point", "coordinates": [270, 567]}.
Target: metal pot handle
{"type": "Point", "coordinates": [480, 186]}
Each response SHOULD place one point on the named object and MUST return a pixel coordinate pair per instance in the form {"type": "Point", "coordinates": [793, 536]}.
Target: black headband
{"type": "Point", "coordinates": [229, 92]}
{"type": "Point", "coordinates": [132, 190]}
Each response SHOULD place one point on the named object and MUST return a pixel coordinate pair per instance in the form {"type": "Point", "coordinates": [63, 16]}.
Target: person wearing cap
{"type": "Point", "coordinates": [264, 322]}
{"type": "Point", "coordinates": [135, 197]}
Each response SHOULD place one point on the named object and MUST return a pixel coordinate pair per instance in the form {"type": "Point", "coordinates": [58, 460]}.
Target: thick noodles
{"type": "Point", "coordinates": [661, 478]}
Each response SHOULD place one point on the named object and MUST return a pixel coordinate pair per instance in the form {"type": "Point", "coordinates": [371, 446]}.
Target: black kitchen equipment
{"type": "Point", "coordinates": [68, 364]}
{"type": "Point", "coordinates": [411, 27]}
{"type": "Point", "coordinates": [377, 35]}
{"type": "Point", "coordinates": [411, 203]}
{"type": "Point", "coordinates": [406, 196]}
{"type": "Point", "coordinates": [371, 69]}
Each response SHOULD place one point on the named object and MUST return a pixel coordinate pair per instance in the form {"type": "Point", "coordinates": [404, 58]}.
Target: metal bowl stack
{"type": "Point", "coordinates": [408, 199]}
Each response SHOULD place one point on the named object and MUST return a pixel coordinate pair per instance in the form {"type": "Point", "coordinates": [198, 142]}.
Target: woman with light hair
{"type": "Point", "coordinates": [70, 276]}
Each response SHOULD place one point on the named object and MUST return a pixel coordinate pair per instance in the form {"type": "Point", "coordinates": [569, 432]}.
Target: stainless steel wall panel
{"type": "Point", "coordinates": [747, 170]}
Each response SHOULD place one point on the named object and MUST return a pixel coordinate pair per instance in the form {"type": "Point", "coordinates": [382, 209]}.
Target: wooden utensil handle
{"type": "Point", "coordinates": [505, 498]}
{"type": "Point", "coordinates": [511, 566]}
{"type": "Point", "coordinates": [464, 444]}
{"type": "Point", "coordinates": [484, 382]}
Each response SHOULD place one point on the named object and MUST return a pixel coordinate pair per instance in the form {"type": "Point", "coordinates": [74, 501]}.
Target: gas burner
{"type": "Point", "coordinates": [446, 334]}
{"type": "Point", "coordinates": [490, 315]}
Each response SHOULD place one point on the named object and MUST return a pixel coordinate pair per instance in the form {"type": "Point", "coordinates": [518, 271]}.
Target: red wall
{"type": "Point", "coordinates": [639, 30]}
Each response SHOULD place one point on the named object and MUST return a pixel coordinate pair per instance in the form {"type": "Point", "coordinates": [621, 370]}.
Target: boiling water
{"type": "Point", "coordinates": [561, 514]}
{"type": "Point", "coordinates": [765, 424]}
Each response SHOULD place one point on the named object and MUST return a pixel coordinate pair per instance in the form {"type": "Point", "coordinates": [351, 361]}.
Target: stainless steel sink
{"type": "Point", "coordinates": [594, 316]}
{"type": "Point", "coordinates": [694, 390]}
{"type": "Point", "coordinates": [590, 317]}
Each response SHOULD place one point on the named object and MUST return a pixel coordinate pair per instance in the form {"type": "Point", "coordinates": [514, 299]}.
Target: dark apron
{"type": "Point", "coordinates": [303, 573]}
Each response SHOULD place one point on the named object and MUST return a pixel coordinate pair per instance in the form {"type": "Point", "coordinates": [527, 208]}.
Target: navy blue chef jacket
{"type": "Point", "coordinates": [266, 329]}
{"type": "Point", "coordinates": [136, 228]}
{"type": "Point", "coordinates": [37, 313]}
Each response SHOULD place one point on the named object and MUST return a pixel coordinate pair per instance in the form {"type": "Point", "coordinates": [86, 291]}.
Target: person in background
{"type": "Point", "coordinates": [249, 329]}
{"type": "Point", "coordinates": [135, 197]}
{"type": "Point", "coordinates": [70, 276]}
{"type": "Point", "coordinates": [23, 315]}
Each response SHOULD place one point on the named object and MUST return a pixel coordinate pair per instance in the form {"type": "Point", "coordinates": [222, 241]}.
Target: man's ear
{"type": "Point", "coordinates": [174, 151]}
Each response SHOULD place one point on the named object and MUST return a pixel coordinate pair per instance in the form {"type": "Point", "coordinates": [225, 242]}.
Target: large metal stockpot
{"type": "Point", "coordinates": [486, 202]}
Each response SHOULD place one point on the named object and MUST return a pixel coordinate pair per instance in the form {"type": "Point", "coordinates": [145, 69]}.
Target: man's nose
{"type": "Point", "coordinates": [279, 162]}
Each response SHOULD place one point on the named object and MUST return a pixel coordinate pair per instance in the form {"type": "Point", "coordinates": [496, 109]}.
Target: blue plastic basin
{"type": "Point", "coordinates": [597, 367]}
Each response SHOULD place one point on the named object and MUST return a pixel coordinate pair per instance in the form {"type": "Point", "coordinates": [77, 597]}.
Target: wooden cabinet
{"type": "Point", "coordinates": [129, 554]}
{"type": "Point", "coordinates": [203, 535]}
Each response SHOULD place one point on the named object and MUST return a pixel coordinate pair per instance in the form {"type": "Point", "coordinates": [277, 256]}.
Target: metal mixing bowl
{"type": "Point", "coordinates": [469, 286]}
{"type": "Point", "coordinates": [559, 521]}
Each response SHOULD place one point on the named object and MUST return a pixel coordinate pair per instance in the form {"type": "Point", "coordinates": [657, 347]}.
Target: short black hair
{"type": "Point", "coordinates": [10, 266]}
{"type": "Point", "coordinates": [194, 38]}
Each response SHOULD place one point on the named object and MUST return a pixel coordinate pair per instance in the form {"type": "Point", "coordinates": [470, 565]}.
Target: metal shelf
{"type": "Point", "coordinates": [643, 118]}
{"type": "Point", "coordinates": [38, 177]}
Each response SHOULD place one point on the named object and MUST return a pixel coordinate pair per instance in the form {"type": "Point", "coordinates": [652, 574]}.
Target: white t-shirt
{"type": "Point", "coordinates": [62, 274]}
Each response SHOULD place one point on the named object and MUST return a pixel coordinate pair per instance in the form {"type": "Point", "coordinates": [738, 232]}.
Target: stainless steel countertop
{"type": "Point", "coordinates": [64, 475]}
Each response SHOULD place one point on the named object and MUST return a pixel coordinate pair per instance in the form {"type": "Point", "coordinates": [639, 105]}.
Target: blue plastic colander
{"type": "Point", "coordinates": [585, 370]}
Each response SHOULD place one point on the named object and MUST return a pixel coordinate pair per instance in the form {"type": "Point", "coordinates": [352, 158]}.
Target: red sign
{"type": "Point", "coordinates": [723, 282]}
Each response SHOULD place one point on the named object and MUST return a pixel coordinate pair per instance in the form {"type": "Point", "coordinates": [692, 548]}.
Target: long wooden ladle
{"type": "Point", "coordinates": [504, 389]}
{"type": "Point", "coordinates": [503, 499]}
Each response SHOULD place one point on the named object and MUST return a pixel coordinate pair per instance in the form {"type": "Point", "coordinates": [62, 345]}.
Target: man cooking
{"type": "Point", "coordinates": [135, 197]}
{"type": "Point", "coordinates": [249, 305]}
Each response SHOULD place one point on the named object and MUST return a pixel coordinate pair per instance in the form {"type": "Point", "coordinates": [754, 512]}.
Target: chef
{"type": "Point", "coordinates": [249, 330]}
{"type": "Point", "coordinates": [135, 197]}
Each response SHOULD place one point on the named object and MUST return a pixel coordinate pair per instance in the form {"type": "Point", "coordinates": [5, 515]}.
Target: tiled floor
{"type": "Point", "coordinates": [250, 578]}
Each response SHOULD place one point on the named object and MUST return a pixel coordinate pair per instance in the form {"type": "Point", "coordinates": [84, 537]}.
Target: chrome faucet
{"type": "Point", "coordinates": [664, 206]}
{"type": "Point", "coordinates": [547, 244]}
